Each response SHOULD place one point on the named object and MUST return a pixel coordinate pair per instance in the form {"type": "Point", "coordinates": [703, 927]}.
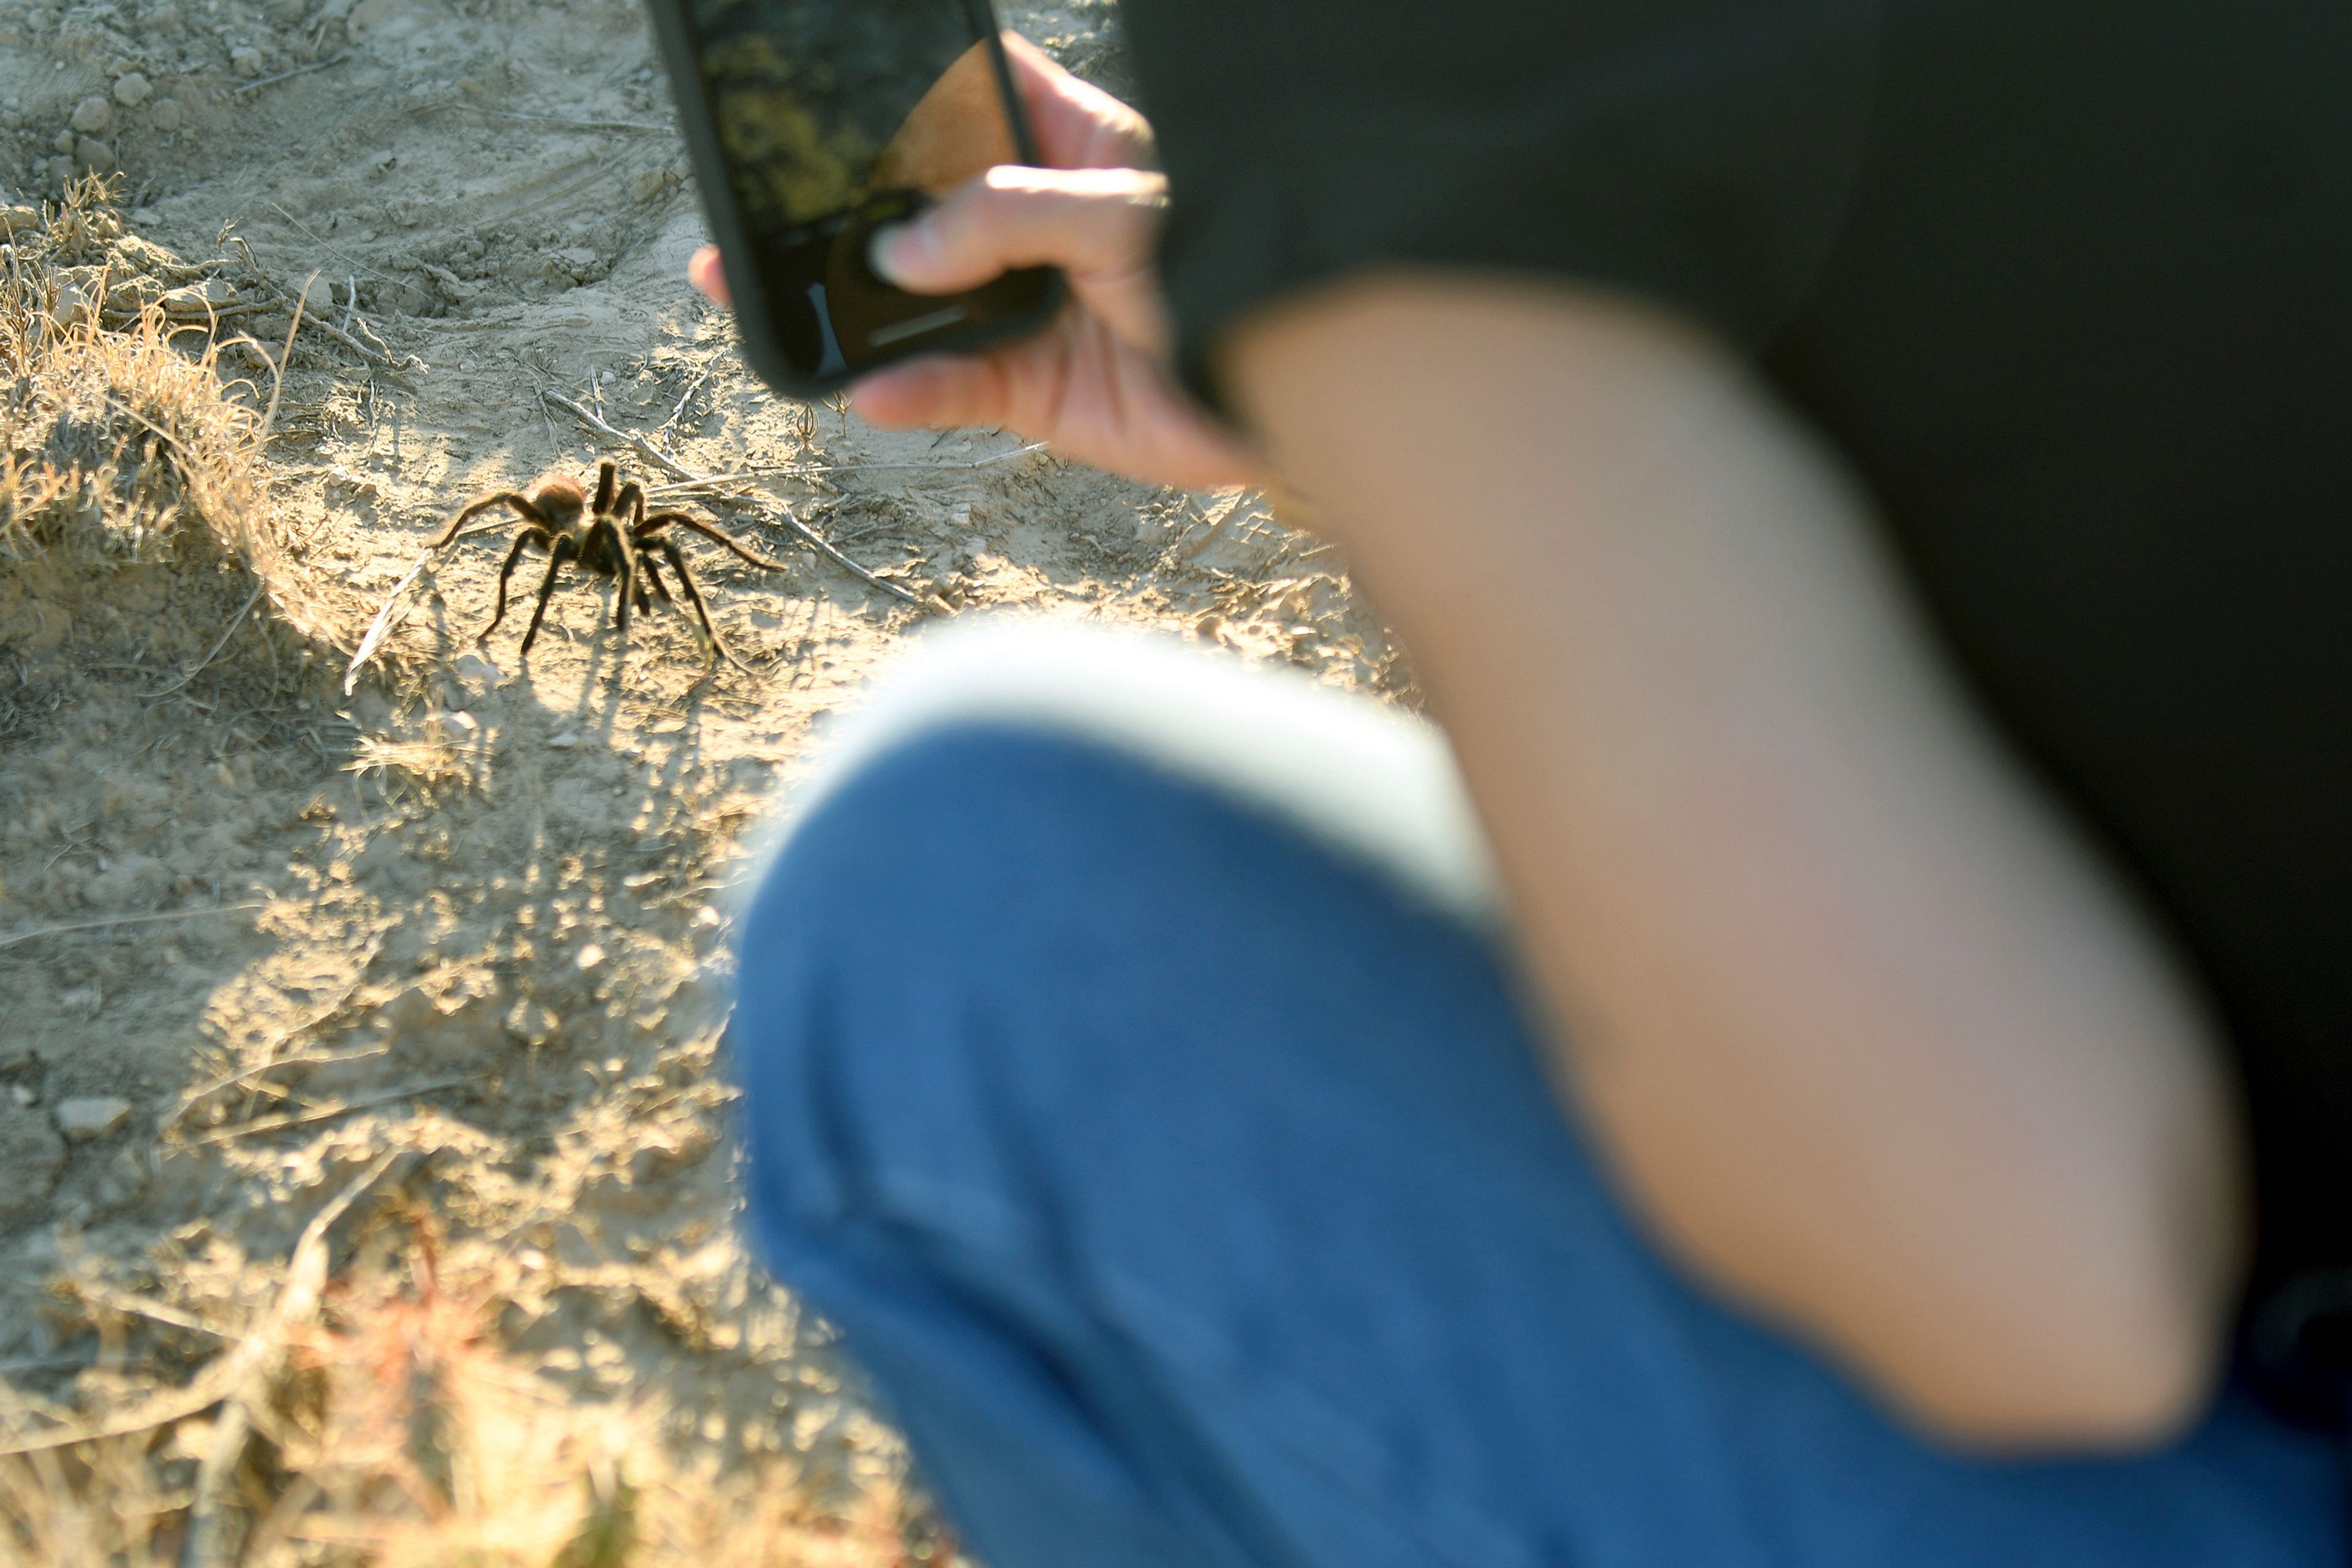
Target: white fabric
{"type": "Point", "coordinates": [1364, 779]}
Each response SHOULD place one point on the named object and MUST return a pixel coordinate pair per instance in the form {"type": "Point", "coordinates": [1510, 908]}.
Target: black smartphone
{"type": "Point", "coordinates": [813, 122]}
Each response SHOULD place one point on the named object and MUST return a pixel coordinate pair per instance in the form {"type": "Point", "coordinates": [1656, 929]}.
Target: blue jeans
{"type": "Point", "coordinates": [1188, 1184]}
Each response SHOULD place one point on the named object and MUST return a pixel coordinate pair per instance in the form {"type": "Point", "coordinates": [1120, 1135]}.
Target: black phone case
{"type": "Point", "coordinates": [755, 322]}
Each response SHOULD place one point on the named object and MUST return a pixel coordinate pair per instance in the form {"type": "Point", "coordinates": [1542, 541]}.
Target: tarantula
{"type": "Point", "coordinates": [613, 537]}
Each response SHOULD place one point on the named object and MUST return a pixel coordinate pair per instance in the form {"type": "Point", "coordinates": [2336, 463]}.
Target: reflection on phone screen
{"type": "Point", "coordinates": [837, 117]}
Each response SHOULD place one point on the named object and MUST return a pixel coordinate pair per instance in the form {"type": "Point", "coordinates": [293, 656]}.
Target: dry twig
{"type": "Point", "coordinates": [198, 668]}
{"type": "Point", "coordinates": [281, 75]}
{"type": "Point", "coordinates": [110, 920]}
{"type": "Point", "coordinates": [382, 358]}
{"type": "Point", "coordinates": [306, 1277]}
{"type": "Point", "coordinates": [268, 1047]}
{"type": "Point", "coordinates": [328, 1112]}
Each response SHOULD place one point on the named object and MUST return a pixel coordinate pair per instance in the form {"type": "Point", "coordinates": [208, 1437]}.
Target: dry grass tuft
{"type": "Point", "coordinates": [364, 1404]}
{"type": "Point", "coordinates": [446, 758]}
{"type": "Point", "coordinates": [121, 439]}
{"type": "Point", "coordinates": [394, 1430]}
{"type": "Point", "coordinates": [112, 442]}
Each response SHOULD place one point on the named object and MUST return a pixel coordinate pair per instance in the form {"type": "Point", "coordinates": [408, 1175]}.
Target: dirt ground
{"type": "Point", "coordinates": [450, 947]}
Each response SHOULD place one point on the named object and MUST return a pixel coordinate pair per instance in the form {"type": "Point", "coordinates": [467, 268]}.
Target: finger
{"type": "Point", "coordinates": [938, 393]}
{"type": "Point", "coordinates": [1077, 124]}
{"type": "Point", "coordinates": [704, 271]}
{"type": "Point", "coordinates": [1096, 225]}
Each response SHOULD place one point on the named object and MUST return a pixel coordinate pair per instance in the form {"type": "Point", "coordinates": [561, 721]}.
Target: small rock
{"type": "Point", "coordinates": [197, 301]}
{"type": "Point", "coordinates": [62, 143]}
{"type": "Point", "coordinates": [131, 89]}
{"type": "Point", "coordinates": [23, 1095]}
{"type": "Point", "coordinates": [88, 1116]}
{"type": "Point", "coordinates": [17, 220]}
{"type": "Point", "coordinates": [563, 740]}
{"type": "Point", "coordinates": [246, 60]}
{"type": "Point", "coordinates": [31, 1155]}
{"type": "Point", "coordinates": [94, 156]}
{"type": "Point", "coordinates": [474, 666]}
{"type": "Point", "coordinates": [11, 121]}
{"type": "Point", "coordinates": [167, 115]}
{"type": "Point", "coordinates": [532, 1023]}
{"type": "Point", "coordinates": [61, 172]}
{"type": "Point", "coordinates": [92, 115]}
{"type": "Point", "coordinates": [588, 957]}
{"type": "Point", "coordinates": [649, 184]}
{"type": "Point", "coordinates": [576, 257]}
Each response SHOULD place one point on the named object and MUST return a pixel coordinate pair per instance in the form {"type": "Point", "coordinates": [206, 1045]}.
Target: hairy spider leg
{"type": "Point", "coordinates": [521, 503]}
{"type": "Point", "coordinates": [530, 534]}
{"type": "Point", "coordinates": [603, 489]}
{"type": "Point", "coordinates": [631, 504]}
{"type": "Point", "coordinates": [623, 565]}
{"type": "Point", "coordinates": [676, 559]}
{"type": "Point", "coordinates": [653, 575]}
{"type": "Point", "coordinates": [562, 549]}
{"type": "Point", "coordinates": [662, 520]}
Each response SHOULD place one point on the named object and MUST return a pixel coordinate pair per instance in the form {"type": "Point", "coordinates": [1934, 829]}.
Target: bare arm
{"type": "Point", "coordinates": [1867, 1036]}
{"type": "Point", "coordinates": [1871, 1040]}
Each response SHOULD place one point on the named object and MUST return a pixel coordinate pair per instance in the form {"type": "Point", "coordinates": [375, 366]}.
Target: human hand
{"type": "Point", "coordinates": [1095, 384]}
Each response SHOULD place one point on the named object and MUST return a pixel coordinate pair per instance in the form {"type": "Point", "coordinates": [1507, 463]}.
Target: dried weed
{"type": "Point", "coordinates": [368, 1413]}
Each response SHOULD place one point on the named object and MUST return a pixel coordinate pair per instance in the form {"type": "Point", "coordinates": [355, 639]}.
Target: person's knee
{"type": "Point", "coordinates": [991, 956]}
{"type": "Point", "coordinates": [908, 966]}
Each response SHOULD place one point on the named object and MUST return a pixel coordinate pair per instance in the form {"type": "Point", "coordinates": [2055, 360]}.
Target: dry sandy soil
{"type": "Point", "coordinates": [452, 946]}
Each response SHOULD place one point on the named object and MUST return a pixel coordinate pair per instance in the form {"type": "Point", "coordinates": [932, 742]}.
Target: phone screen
{"type": "Point", "coordinates": [834, 118]}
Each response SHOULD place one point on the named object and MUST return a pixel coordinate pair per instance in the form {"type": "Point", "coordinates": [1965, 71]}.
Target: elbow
{"type": "Point", "coordinates": [2113, 1339]}
{"type": "Point", "coordinates": [2088, 1387]}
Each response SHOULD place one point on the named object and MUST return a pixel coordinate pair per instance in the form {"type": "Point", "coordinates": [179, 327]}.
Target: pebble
{"type": "Point", "coordinates": [23, 1095]}
{"type": "Point", "coordinates": [588, 957]}
{"type": "Point", "coordinates": [92, 115]}
{"type": "Point", "coordinates": [91, 153]}
{"type": "Point", "coordinates": [197, 301]}
{"type": "Point", "coordinates": [563, 740]}
{"type": "Point", "coordinates": [62, 143]}
{"type": "Point", "coordinates": [166, 115]}
{"type": "Point", "coordinates": [131, 89]}
{"type": "Point", "coordinates": [246, 60]}
{"type": "Point", "coordinates": [533, 1023]}
{"type": "Point", "coordinates": [17, 220]}
{"type": "Point", "coordinates": [88, 1116]}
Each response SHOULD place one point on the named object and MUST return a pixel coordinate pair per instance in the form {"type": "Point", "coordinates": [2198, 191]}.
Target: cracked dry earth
{"type": "Point", "coordinates": [257, 932]}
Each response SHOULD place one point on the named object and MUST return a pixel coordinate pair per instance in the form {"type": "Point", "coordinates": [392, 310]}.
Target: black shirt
{"type": "Point", "coordinates": [2069, 282]}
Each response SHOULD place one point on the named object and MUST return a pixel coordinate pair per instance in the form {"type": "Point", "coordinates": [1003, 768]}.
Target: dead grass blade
{"type": "Point", "coordinates": [298, 1299]}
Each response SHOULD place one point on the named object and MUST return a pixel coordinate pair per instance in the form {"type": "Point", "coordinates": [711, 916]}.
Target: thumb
{"type": "Point", "coordinates": [1098, 225]}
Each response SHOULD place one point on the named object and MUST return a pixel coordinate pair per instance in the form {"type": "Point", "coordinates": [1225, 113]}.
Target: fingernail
{"type": "Point", "coordinates": [894, 250]}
